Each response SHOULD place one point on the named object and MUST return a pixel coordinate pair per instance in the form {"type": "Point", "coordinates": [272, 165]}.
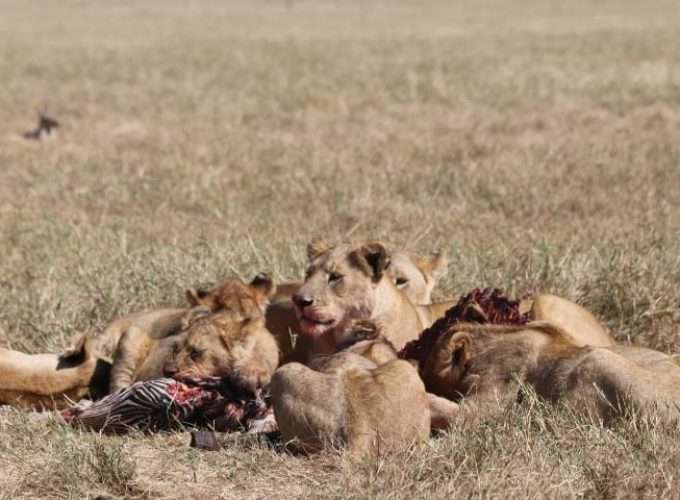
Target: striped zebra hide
{"type": "Point", "coordinates": [166, 403]}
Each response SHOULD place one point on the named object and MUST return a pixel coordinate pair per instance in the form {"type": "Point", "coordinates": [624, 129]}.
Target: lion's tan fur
{"type": "Point", "coordinates": [364, 291]}
{"type": "Point", "coordinates": [577, 322]}
{"type": "Point", "coordinates": [157, 323]}
{"type": "Point", "coordinates": [145, 345]}
{"type": "Point", "coordinates": [226, 344]}
{"type": "Point", "coordinates": [235, 295]}
{"type": "Point", "coordinates": [349, 401]}
{"type": "Point", "coordinates": [366, 339]}
{"type": "Point", "coordinates": [51, 381]}
{"type": "Point", "coordinates": [482, 362]}
{"type": "Point", "coordinates": [415, 274]}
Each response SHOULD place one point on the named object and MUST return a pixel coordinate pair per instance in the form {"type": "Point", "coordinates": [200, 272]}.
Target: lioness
{"type": "Point", "coordinates": [226, 344]}
{"type": "Point", "coordinates": [143, 349]}
{"type": "Point", "coordinates": [349, 282]}
{"type": "Point", "coordinates": [348, 400]}
{"type": "Point", "coordinates": [365, 338]}
{"type": "Point", "coordinates": [486, 363]}
{"type": "Point", "coordinates": [52, 381]}
{"type": "Point", "coordinates": [413, 274]}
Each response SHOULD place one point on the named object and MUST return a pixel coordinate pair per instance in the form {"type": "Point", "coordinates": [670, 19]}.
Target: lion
{"type": "Point", "coordinates": [481, 364]}
{"type": "Point", "coordinates": [349, 282]}
{"type": "Point", "coordinates": [347, 400]}
{"type": "Point", "coordinates": [227, 344]}
{"type": "Point", "coordinates": [232, 293]}
{"type": "Point", "coordinates": [52, 381]}
{"type": "Point", "coordinates": [415, 275]}
{"type": "Point", "coordinates": [148, 341]}
{"type": "Point", "coordinates": [365, 338]}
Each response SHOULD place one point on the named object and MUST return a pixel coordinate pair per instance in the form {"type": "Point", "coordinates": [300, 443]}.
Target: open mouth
{"type": "Point", "coordinates": [314, 321]}
{"type": "Point", "coordinates": [314, 326]}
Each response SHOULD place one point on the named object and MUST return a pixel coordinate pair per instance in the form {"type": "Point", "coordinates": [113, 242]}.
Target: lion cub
{"type": "Point", "coordinates": [487, 363]}
{"type": "Point", "coordinates": [52, 381]}
{"type": "Point", "coordinates": [347, 400]}
{"type": "Point", "coordinates": [226, 344]}
{"type": "Point", "coordinates": [141, 353]}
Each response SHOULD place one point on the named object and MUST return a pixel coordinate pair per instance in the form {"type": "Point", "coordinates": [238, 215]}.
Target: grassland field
{"type": "Point", "coordinates": [536, 142]}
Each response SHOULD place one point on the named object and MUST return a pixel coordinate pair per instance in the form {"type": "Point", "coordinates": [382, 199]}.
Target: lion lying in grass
{"type": "Point", "coordinates": [221, 364]}
{"type": "Point", "coordinates": [237, 327]}
{"type": "Point", "coordinates": [51, 381]}
{"type": "Point", "coordinates": [481, 364]}
{"type": "Point", "coordinates": [226, 344]}
{"type": "Point", "coordinates": [142, 354]}
{"type": "Point", "coordinates": [577, 322]}
{"type": "Point", "coordinates": [347, 400]}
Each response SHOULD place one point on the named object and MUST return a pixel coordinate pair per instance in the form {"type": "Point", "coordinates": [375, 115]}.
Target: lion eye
{"type": "Point", "coordinates": [401, 282]}
{"type": "Point", "coordinates": [334, 277]}
{"type": "Point", "coordinates": [195, 354]}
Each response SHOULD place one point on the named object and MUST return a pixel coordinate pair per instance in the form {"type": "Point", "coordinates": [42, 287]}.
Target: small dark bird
{"type": "Point", "coordinates": [45, 125]}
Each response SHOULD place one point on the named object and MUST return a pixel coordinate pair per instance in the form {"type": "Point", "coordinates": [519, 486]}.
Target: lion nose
{"type": "Point", "coordinates": [302, 301]}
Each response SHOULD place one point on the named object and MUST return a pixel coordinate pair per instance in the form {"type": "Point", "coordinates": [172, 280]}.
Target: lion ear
{"type": "Point", "coordinates": [373, 259]}
{"type": "Point", "coordinates": [317, 247]}
{"type": "Point", "coordinates": [194, 314]}
{"type": "Point", "coordinates": [263, 285]}
{"type": "Point", "coordinates": [196, 296]}
{"type": "Point", "coordinates": [432, 266]}
{"type": "Point", "coordinates": [436, 264]}
{"type": "Point", "coordinates": [474, 313]}
{"type": "Point", "coordinates": [460, 349]}
{"type": "Point", "coordinates": [249, 324]}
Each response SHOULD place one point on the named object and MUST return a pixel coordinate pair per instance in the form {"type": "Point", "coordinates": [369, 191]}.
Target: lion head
{"type": "Point", "coordinates": [342, 283]}
{"type": "Point", "coordinates": [225, 344]}
{"type": "Point", "coordinates": [235, 295]}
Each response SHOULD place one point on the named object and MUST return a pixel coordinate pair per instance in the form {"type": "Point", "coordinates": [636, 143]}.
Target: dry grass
{"type": "Point", "coordinates": [536, 142]}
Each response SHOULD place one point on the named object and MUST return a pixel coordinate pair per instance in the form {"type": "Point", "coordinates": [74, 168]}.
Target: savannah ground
{"type": "Point", "coordinates": [537, 142]}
